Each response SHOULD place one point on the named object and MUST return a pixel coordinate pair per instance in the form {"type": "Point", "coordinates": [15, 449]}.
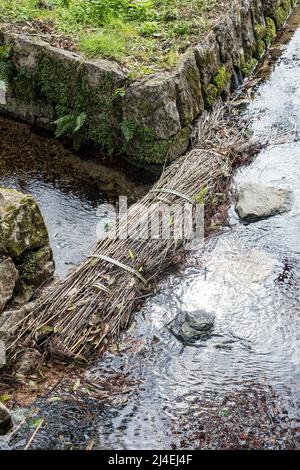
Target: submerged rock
{"type": "Point", "coordinates": [190, 327]}
{"type": "Point", "coordinates": [257, 202]}
{"type": "Point", "coordinates": [8, 278]}
{"type": "Point", "coordinates": [5, 419]}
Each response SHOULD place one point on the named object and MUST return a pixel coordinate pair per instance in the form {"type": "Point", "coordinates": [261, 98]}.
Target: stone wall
{"type": "Point", "coordinates": [149, 119]}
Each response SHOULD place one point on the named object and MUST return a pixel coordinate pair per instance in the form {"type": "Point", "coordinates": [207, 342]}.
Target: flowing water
{"type": "Point", "coordinates": [249, 278]}
{"type": "Point", "coordinates": [241, 386]}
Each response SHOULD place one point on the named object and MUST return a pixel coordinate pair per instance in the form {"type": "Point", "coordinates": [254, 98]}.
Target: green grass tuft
{"type": "Point", "coordinates": [134, 32]}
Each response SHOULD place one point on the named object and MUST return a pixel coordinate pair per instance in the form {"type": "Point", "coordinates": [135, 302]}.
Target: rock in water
{"type": "Point", "coordinates": [190, 327]}
{"type": "Point", "coordinates": [8, 278]}
{"type": "Point", "coordinates": [5, 420]}
{"type": "Point", "coordinates": [257, 202]}
{"type": "Point", "coordinates": [22, 226]}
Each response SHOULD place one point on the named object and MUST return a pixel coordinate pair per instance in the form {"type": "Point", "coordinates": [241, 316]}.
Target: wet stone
{"type": "Point", "coordinates": [190, 327]}
{"type": "Point", "coordinates": [28, 362]}
{"type": "Point", "coordinates": [8, 278]}
{"type": "Point", "coordinates": [257, 202]}
{"type": "Point", "coordinates": [5, 419]}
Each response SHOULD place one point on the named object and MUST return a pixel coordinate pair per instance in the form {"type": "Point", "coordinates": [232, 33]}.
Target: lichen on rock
{"type": "Point", "coordinates": [26, 260]}
{"type": "Point", "coordinates": [22, 226]}
{"type": "Point", "coordinates": [8, 278]}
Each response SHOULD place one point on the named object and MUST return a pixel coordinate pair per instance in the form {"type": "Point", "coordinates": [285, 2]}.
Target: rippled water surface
{"type": "Point", "coordinates": [249, 277]}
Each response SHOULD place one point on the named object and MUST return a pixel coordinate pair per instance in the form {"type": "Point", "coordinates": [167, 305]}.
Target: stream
{"type": "Point", "coordinates": [240, 387]}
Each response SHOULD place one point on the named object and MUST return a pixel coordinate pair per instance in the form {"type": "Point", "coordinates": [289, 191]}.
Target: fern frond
{"type": "Point", "coordinates": [69, 123]}
{"type": "Point", "coordinates": [64, 125]}
{"type": "Point", "coordinates": [80, 121]}
{"type": "Point", "coordinates": [128, 128]}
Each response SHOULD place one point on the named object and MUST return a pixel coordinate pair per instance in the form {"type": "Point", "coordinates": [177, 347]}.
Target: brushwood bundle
{"type": "Point", "coordinates": [81, 315]}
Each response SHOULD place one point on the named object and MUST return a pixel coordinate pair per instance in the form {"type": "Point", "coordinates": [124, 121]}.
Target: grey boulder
{"type": "Point", "coordinates": [256, 202]}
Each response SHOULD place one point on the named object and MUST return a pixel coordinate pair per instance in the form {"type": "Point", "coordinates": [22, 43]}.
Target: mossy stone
{"type": "Point", "coordinates": [249, 66]}
{"type": "Point", "coordinates": [270, 33]}
{"type": "Point", "coordinates": [22, 226]}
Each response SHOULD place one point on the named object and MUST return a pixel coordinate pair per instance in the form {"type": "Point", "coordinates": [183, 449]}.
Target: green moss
{"type": "Point", "coordinates": [259, 30]}
{"type": "Point", "coordinates": [21, 225]}
{"type": "Point", "coordinates": [24, 84]}
{"type": "Point", "coordinates": [5, 61]}
{"type": "Point", "coordinates": [31, 263]}
{"type": "Point", "coordinates": [145, 147]}
{"type": "Point", "coordinates": [280, 16]}
{"type": "Point", "coordinates": [222, 78]}
{"type": "Point", "coordinates": [282, 12]}
{"type": "Point", "coordinates": [249, 66]}
{"type": "Point", "coordinates": [260, 48]}
{"type": "Point", "coordinates": [65, 85]}
{"type": "Point", "coordinates": [211, 94]}
{"type": "Point", "coordinates": [217, 85]}
{"type": "Point", "coordinates": [271, 32]}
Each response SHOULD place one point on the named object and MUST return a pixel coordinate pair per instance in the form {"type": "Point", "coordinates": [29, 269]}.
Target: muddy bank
{"type": "Point", "coordinates": [120, 114]}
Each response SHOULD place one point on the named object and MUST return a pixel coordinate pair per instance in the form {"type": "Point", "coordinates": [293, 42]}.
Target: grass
{"type": "Point", "coordinates": [147, 33]}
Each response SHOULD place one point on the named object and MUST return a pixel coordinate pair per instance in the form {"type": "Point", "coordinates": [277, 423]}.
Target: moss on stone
{"type": "Point", "coordinates": [280, 16]}
{"type": "Point", "coordinates": [66, 86]}
{"type": "Point", "coordinates": [259, 31]}
{"type": "Point", "coordinates": [282, 12]}
{"type": "Point", "coordinates": [260, 48]}
{"type": "Point", "coordinates": [217, 85]}
{"type": "Point", "coordinates": [271, 32]}
{"type": "Point", "coordinates": [222, 78]}
{"type": "Point", "coordinates": [24, 84]}
{"type": "Point", "coordinates": [249, 66]}
{"type": "Point", "coordinates": [5, 61]}
{"type": "Point", "coordinates": [211, 94]}
{"type": "Point", "coordinates": [145, 147]}
{"type": "Point", "coordinates": [21, 226]}
{"type": "Point", "coordinates": [32, 264]}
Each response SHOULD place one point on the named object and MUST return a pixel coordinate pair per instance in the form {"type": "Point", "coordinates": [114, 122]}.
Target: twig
{"type": "Point", "coordinates": [34, 434]}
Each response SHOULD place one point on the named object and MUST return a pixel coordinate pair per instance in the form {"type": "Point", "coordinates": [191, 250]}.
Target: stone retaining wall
{"type": "Point", "coordinates": [150, 119]}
